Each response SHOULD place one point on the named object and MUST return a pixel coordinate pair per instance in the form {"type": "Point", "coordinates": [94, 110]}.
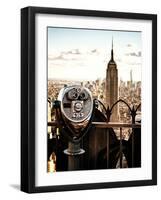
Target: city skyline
{"type": "Point", "coordinates": [73, 53]}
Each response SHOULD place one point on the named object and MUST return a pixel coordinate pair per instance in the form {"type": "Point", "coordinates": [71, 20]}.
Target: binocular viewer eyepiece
{"type": "Point", "coordinates": [76, 107]}
{"type": "Point", "coordinates": [78, 93]}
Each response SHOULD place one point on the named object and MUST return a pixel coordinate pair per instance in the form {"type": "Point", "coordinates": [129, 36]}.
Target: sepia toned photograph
{"type": "Point", "coordinates": [88, 99]}
{"type": "Point", "coordinates": [94, 99]}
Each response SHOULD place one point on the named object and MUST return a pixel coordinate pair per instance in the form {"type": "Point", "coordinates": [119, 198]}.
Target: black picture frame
{"type": "Point", "coordinates": [28, 91]}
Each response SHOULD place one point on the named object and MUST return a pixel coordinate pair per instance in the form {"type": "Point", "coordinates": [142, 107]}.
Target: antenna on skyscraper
{"type": "Point", "coordinates": [112, 50]}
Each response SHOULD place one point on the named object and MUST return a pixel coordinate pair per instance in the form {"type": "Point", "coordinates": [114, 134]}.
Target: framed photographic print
{"type": "Point", "coordinates": [88, 99]}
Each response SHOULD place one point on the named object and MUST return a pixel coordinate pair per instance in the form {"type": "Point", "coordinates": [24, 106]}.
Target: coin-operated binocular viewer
{"type": "Point", "coordinates": [77, 111]}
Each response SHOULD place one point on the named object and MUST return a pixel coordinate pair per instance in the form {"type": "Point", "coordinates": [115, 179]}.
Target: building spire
{"type": "Point", "coordinates": [112, 51]}
{"type": "Point", "coordinates": [131, 79]}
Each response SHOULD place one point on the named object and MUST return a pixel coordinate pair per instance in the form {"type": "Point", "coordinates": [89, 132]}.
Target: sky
{"type": "Point", "coordinates": [83, 54]}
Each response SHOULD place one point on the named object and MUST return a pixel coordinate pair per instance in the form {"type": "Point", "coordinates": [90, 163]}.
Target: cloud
{"type": "Point", "coordinates": [94, 51]}
{"type": "Point", "coordinates": [136, 54]}
{"type": "Point", "coordinates": [72, 55]}
{"type": "Point", "coordinates": [129, 45]}
{"type": "Point", "coordinates": [58, 57]}
{"type": "Point", "coordinates": [139, 53]}
{"type": "Point", "coordinates": [65, 55]}
{"type": "Point", "coordinates": [72, 52]}
{"type": "Point", "coordinates": [134, 63]}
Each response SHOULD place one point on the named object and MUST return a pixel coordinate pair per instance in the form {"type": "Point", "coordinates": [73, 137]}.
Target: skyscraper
{"type": "Point", "coordinates": [112, 86]}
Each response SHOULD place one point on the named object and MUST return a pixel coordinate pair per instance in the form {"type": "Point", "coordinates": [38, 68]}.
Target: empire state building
{"type": "Point", "coordinates": [112, 86]}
